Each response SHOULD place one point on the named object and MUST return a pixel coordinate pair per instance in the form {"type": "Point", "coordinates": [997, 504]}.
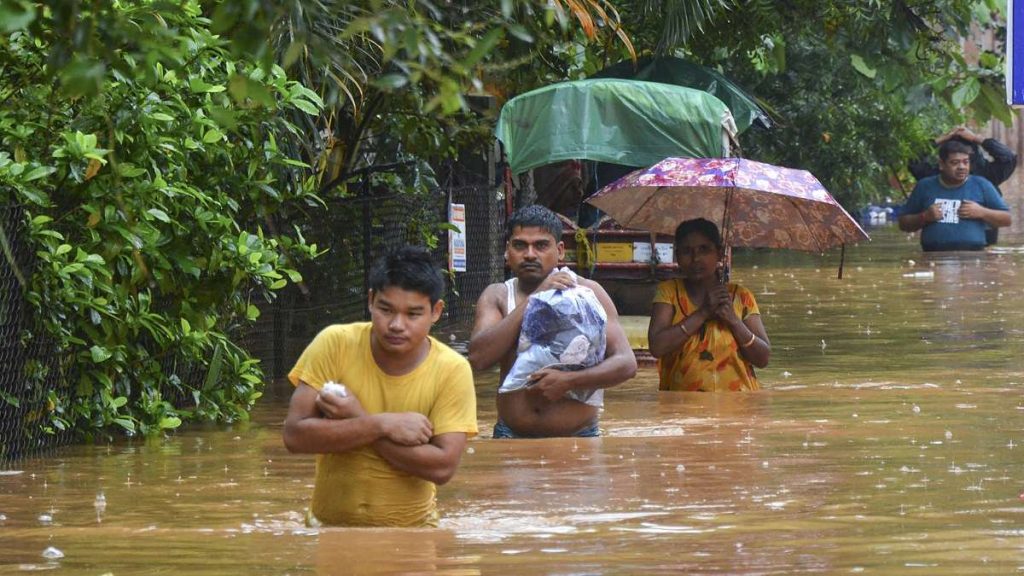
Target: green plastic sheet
{"type": "Point", "coordinates": [627, 122]}
{"type": "Point", "coordinates": [670, 70]}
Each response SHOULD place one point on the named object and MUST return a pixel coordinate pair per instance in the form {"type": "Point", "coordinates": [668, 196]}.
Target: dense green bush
{"type": "Point", "coordinates": [148, 168]}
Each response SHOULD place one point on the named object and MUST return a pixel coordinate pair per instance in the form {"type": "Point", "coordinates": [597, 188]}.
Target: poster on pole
{"type": "Point", "coordinates": [457, 238]}
{"type": "Point", "coordinates": [1015, 53]}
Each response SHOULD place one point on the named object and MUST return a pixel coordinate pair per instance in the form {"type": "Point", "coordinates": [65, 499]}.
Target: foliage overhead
{"type": "Point", "coordinates": [397, 77]}
{"type": "Point", "coordinates": [857, 88]}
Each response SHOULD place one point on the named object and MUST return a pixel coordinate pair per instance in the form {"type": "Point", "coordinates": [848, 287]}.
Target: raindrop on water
{"type": "Point", "coordinates": [680, 468]}
{"type": "Point", "coordinates": [45, 518]}
{"type": "Point", "coordinates": [52, 553]}
{"type": "Point", "coordinates": [916, 409]}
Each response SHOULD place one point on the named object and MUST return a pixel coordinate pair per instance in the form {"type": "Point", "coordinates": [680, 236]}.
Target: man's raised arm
{"type": "Point", "coordinates": [493, 334]}
{"type": "Point", "coordinates": [619, 362]}
{"type": "Point", "coordinates": [1004, 161]}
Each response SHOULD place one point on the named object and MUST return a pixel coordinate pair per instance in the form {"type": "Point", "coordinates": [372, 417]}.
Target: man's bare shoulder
{"type": "Point", "coordinates": [494, 292]}
{"type": "Point", "coordinates": [597, 288]}
{"type": "Point", "coordinates": [493, 297]}
{"type": "Point", "coordinates": [601, 294]}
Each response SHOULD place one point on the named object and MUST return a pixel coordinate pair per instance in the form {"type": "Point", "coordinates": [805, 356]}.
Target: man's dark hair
{"type": "Point", "coordinates": [409, 268]}
{"type": "Point", "coordinates": [534, 216]}
{"type": "Point", "coordinates": [702, 226]}
{"type": "Point", "coordinates": [954, 147]}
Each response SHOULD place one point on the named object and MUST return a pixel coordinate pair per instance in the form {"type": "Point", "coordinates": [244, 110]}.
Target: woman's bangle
{"type": "Point", "coordinates": [750, 342]}
{"type": "Point", "coordinates": [682, 326]}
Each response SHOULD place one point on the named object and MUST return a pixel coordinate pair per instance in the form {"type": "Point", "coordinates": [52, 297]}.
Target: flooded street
{"type": "Point", "coordinates": [889, 438]}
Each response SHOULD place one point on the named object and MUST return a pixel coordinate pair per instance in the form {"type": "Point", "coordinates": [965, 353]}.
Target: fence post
{"type": "Point", "coordinates": [367, 252]}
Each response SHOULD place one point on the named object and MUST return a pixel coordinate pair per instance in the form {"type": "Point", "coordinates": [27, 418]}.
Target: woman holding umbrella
{"type": "Point", "coordinates": [706, 334]}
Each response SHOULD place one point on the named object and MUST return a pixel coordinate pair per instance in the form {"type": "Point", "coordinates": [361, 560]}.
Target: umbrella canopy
{"type": "Point", "coordinates": [672, 70]}
{"type": "Point", "coordinates": [755, 204]}
{"type": "Point", "coordinates": [625, 122]}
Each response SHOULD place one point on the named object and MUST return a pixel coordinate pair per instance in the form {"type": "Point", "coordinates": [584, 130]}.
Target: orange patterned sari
{"type": "Point", "coordinates": [709, 361]}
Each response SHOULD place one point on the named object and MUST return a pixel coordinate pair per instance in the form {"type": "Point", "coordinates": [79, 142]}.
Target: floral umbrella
{"type": "Point", "coordinates": [755, 204]}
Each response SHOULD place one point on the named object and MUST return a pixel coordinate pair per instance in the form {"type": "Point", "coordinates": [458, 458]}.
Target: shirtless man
{"type": "Point", "coordinates": [544, 408]}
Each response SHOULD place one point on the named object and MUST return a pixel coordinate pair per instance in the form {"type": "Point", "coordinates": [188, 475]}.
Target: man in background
{"type": "Point", "coordinates": [953, 208]}
{"type": "Point", "coordinates": [997, 170]}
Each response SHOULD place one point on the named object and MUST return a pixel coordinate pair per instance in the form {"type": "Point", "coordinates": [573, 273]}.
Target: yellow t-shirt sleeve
{"type": "Point", "coordinates": [314, 366]}
{"type": "Point", "coordinates": [455, 407]}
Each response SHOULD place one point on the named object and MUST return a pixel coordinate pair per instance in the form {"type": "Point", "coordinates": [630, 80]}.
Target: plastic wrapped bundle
{"type": "Point", "coordinates": [562, 329]}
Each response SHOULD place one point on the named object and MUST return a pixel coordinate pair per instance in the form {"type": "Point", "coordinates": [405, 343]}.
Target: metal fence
{"type": "Point", "coordinates": [35, 372]}
{"type": "Point", "coordinates": [31, 367]}
{"type": "Point", "coordinates": [354, 232]}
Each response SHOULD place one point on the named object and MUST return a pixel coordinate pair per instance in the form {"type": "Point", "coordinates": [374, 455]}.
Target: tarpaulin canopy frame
{"type": "Point", "coordinates": [626, 122]}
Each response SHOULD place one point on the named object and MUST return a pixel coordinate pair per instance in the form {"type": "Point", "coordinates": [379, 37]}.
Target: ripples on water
{"type": "Point", "coordinates": [888, 440]}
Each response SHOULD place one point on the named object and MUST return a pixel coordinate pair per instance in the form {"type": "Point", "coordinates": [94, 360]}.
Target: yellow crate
{"type": "Point", "coordinates": [614, 251]}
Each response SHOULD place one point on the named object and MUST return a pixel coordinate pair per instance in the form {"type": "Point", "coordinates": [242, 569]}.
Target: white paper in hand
{"type": "Point", "coordinates": [334, 388]}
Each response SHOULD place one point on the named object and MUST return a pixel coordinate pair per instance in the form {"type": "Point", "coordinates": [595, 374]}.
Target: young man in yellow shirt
{"type": "Point", "coordinates": [408, 409]}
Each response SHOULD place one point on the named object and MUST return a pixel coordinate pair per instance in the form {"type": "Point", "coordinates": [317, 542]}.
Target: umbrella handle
{"type": "Point", "coordinates": [725, 266]}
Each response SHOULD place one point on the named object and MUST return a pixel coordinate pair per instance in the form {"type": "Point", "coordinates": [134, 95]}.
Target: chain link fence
{"type": "Point", "coordinates": [31, 367]}
{"type": "Point", "coordinates": [353, 232]}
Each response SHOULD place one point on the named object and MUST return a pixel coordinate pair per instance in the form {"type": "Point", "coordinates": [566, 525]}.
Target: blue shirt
{"type": "Point", "coordinates": [952, 232]}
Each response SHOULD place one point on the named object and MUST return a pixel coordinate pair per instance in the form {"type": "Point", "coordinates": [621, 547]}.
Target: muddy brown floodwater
{"type": "Point", "coordinates": [889, 439]}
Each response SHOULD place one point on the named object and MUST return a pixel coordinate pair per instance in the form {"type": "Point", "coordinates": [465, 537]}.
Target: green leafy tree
{"type": "Point", "coordinates": [395, 76]}
{"type": "Point", "coordinates": [147, 158]}
{"type": "Point", "coordinates": [857, 88]}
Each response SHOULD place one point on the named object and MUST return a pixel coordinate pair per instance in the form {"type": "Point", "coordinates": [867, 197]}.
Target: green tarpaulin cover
{"type": "Point", "coordinates": [679, 72]}
{"type": "Point", "coordinates": [627, 122]}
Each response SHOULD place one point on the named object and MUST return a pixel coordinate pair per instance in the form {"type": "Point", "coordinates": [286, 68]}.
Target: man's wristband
{"type": "Point", "coordinates": [924, 220]}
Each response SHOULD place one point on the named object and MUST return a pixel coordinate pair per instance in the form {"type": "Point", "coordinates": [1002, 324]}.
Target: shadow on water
{"type": "Point", "coordinates": [887, 440]}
